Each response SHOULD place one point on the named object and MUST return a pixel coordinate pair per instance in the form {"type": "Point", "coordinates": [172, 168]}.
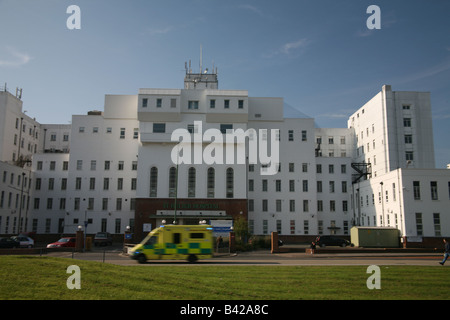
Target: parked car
{"type": "Point", "coordinates": [67, 242]}
{"type": "Point", "coordinates": [102, 238]}
{"type": "Point", "coordinates": [323, 241]}
{"type": "Point", "coordinates": [25, 242]}
{"type": "Point", "coordinates": [9, 243]}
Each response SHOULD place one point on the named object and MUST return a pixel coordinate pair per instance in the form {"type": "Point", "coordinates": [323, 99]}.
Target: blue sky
{"type": "Point", "coordinates": [318, 55]}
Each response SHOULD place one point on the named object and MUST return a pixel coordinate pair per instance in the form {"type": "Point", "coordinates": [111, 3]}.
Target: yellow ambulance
{"type": "Point", "coordinates": [175, 242]}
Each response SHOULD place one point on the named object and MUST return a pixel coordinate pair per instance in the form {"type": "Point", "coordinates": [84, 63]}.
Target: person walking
{"type": "Point", "coordinates": [446, 251]}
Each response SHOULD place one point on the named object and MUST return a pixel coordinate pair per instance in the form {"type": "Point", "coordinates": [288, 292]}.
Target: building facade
{"type": "Point", "coordinates": [204, 154]}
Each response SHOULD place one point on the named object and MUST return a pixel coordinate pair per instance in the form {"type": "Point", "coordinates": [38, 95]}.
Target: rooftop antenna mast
{"type": "Point", "coordinates": [201, 59]}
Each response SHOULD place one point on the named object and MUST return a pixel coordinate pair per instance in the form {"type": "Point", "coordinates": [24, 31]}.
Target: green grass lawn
{"type": "Point", "coordinates": [44, 278]}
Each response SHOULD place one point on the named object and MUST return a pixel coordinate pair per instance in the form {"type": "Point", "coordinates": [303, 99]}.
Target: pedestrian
{"type": "Point", "coordinates": [446, 251]}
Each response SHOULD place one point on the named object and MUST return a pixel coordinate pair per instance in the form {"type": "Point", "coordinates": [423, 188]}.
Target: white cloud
{"type": "Point", "coordinates": [289, 48]}
{"type": "Point", "coordinates": [14, 58]}
{"type": "Point", "coordinates": [252, 9]}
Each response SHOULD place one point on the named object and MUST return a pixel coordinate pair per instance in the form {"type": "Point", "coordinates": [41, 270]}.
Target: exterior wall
{"type": "Point", "coordinates": [15, 183]}
{"type": "Point", "coordinates": [19, 134]}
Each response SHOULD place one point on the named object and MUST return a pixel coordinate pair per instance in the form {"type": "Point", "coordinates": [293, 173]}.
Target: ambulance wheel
{"type": "Point", "coordinates": [142, 258]}
{"type": "Point", "coordinates": [192, 258]}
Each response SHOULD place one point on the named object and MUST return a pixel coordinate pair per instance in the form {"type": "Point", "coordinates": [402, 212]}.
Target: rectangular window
{"type": "Point", "coordinates": [407, 122]}
{"type": "Point", "coordinates": [122, 133]}
{"type": "Point", "coordinates": [212, 104]}
{"type": "Point", "coordinates": [291, 135]}
{"type": "Point", "coordinates": [225, 127]}
{"type": "Point", "coordinates": [144, 103]}
{"type": "Point", "coordinates": [304, 135]}
{"type": "Point", "coordinates": [241, 104]}
{"type": "Point", "coordinates": [408, 138]}
{"type": "Point", "coordinates": [226, 104]}
{"type": "Point", "coordinates": [292, 205]}
{"type": "Point", "coordinates": [419, 225]}
{"type": "Point", "coordinates": [159, 128]}
{"type": "Point", "coordinates": [192, 104]}
{"type": "Point", "coordinates": [416, 190]}
{"type": "Point", "coordinates": [409, 156]}
{"type": "Point", "coordinates": [434, 191]}
{"type": "Point", "coordinates": [158, 103]}
{"type": "Point", "coordinates": [437, 224]}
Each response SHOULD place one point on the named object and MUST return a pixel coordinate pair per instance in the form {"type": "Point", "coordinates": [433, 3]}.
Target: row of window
{"type": "Point", "coordinates": [305, 186]}
{"type": "Point", "coordinates": [109, 130]}
{"type": "Point", "coordinates": [78, 183]}
{"type": "Point", "coordinates": [192, 180]}
{"type": "Point", "coordinates": [89, 204]}
{"type": "Point", "coordinates": [93, 165]}
{"type": "Point", "coordinates": [192, 104]}
{"type": "Point", "coordinates": [292, 202]}
{"type": "Point", "coordinates": [292, 227]}
{"type": "Point", "coordinates": [291, 168]}
{"type": "Point", "coordinates": [433, 190]}
{"type": "Point", "coordinates": [13, 228]}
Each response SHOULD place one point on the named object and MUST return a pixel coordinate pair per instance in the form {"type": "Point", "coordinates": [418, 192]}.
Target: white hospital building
{"type": "Point", "coordinates": [115, 168]}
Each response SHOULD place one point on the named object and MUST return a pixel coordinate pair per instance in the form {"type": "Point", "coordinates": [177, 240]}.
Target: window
{"type": "Point", "coordinates": [305, 185]}
{"type": "Point", "coordinates": [212, 104]}
{"type": "Point", "coordinates": [407, 122]}
{"type": "Point", "coordinates": [278, 205]}
{"type": "Point", "coordinates": [107, 165]}
{"type": "Point", "coordinates": [409, 156]}
{"type": "Point", "coordinates": [292, 205]}
{"type": "Point", "coordinates": [408, 138]}
{"type": "Point", "coordinates": [291, 167]}
{"type": "Point", "coordinates": [437, 224]}
{"type": "Point", "coordinates": [158, 103]}
{"type": "Point", "coordinates": [144, 103]}
{"type": "Point", "coordinates": [416, 190]}
{"type": "Point", "coordinates": [172, 182]}
{"type": "Point", "coordinates": [226, 104]}
{"type": "Point", "coordinates": [93, 165]}
{"type": "Point", "coordinates": [292, 185]}
{"type": "Point", "coordinates": [434, 191]}
{"type": "Point", "coordinates": [304, 135]}
{"type": "Point", "coordinates": [241, 104]}
{"type": "Point", "coordinates": [81, 129]}
{"type": "Point", "coordinates": [251, 185]}
{"type": "Point", "coordinates": [419, 225]}
{"type": "Point", "coordinates": [210, 182]}
{"type": "Point", "coordinates": [278, 185]}
{"type": "Point", "coordinates": [92, 184]}
{"type": "Point", "coordinates": [264, 185]}
{"type": "Point", "coordinates": [264, 205]}
{"type": "Point", "coordinates": [305, 206]}
{"type": "Point", "coordinates": [120, 165]}
{"type": "Point", "coordinates": [135, 133]}
{"type": "Point", "coordinates": [291, 135]}
{"type": "Point", "coordinates": [153, 182]}
{"type": "Point", "coordinates": [230, 183]}
{"type": "Point", "coordinates": [192, 104]}
{"type": "Point", "coordinates": [159, 128]}
{"type": "Point", "coordinates": [122, 133]}
{"type": "Point", "coordinates": [173, 103]}
{"type": "Point", "coordinates": [225, 127]}
{"type": "Point", "coordinates": [191, 182]}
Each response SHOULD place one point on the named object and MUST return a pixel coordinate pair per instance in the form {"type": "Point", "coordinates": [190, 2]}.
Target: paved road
{"type": "Point", "coordinates": [115, 256]}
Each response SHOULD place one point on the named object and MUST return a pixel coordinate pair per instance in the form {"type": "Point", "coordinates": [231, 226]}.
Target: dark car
{"type": "Point", "coordinates": [9, 243]}
{"type": "Point", "coordinates": [63, 243]}
{"type": "Point", "coordinates": [102, 238]}
{"type": "Point", "coordinates": [324, 241]}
